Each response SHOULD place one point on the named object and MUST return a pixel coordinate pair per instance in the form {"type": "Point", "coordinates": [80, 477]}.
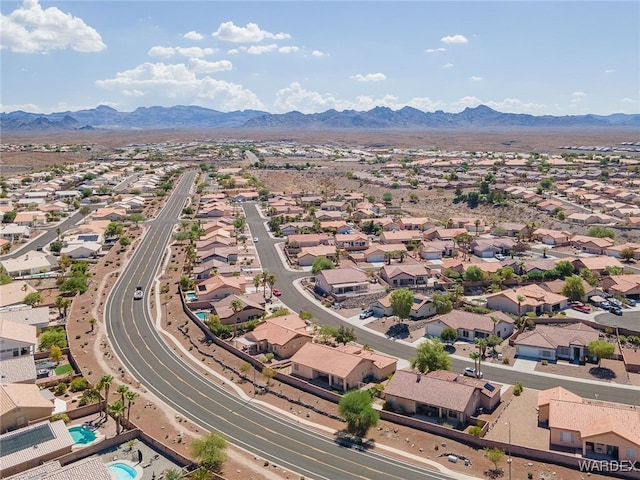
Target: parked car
{"type": "Point", "coordinates": [616, 310]}
{"type": "Point", "coordinates": [471, 372]}
{"type": "Point", "coordinates": [615, 302]}
{"type": "Point", "coordinates": [581, 307]}
{"type": "Point", "coordinates": [631, 302]}
{"type": "Point", "coordinates": [366, 314]}
{"type": "Point", "coordinates": [499, 256]}
{"type": "Point", "coordinates": [276, 292]}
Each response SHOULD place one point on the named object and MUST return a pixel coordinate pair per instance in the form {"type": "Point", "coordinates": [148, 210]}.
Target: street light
{"type": "Point", "coordinates": [509, 459]}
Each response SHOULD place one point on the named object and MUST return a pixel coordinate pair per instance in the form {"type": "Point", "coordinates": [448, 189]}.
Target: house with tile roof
{"type": "Point", "coordinates": [593, 245]}
{"type": "Point", "coordinates": [533, 298]}
{"type": "Point", "coordinates": [602, 430]}
{"type": "Point", "coordinates": [17, 339]}
{"type": "Point", "coordinates": [308, 255]}
{"type": "Point", "coordinates": [21, 404]}
{"type": "Point", "coordinates": [283, 336]}
{"type": "Point", "coordinates": [441, 394]}
{"type": "Point", "coordinates": [30, 263]}
{"type": "Point", "coordinates": [552, 342]}
{"type": "Point", "coordinates": [252, 308]}
{"type": "Point", "coordinates": [615, 250]}
{"type": "Point", "coordinates": [405, 274]}
{"type": "Point", "coordinates": [556, 238]}
{"type": "Point", "coordinates": [339, 369]}
{"type": "Point", "coordinates": [596, 264]}
{"type": "Point", "coordinates": [218, 287]}
{"type": "Point", "coordinates": [341, 282]}
{"type": "Point", "coordinates": [625, 285]}
{"type": "Point", "coordinates": [351, 241]}
{"type": "Point", "coordinates": [422, 307]}
{"type": "Point", "coordinates": [470, 325]}
{"type": "Point", "coordinates": [13, 293]}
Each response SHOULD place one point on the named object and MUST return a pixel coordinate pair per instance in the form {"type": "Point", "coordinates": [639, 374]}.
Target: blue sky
{"type": "Point", "coordinates": [537, 57]}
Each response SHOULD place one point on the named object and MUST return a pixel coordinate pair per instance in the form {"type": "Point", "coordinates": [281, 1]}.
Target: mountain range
{"type": "Point", "coordinates": [194, 117]}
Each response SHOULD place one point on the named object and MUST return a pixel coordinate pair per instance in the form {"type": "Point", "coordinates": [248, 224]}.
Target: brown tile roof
{"type": "Point", "coordinates": [557, 393]}
{"type": "Point", "coordinates": [19, 332]}
{"type": "Point", "coordinates": [548, 336]}
{"type": "Point", "coordinates": [327, 359]}
{"type": "Point", "coordinates": [379, 360]}
{"type": "Point", "coordinates": [21, 395]}
{"type": "Point", "coordinates": [344, 275]}
{"type": "Point", "coordinates": [472, 321]}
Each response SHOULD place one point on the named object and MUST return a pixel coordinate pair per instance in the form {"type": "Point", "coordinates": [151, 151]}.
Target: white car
{"type": "Point", "coordinates": [471, 372]}
{"type": "Point", "coordinates": [366, 314]}
{"type": "Point", "coordinates": [255, 239]}
{"type": "Point", "coordinates": [138, 295]}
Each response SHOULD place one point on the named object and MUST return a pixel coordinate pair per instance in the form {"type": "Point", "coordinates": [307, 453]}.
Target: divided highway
{"type": "Point", "coordinates": [159, 369]}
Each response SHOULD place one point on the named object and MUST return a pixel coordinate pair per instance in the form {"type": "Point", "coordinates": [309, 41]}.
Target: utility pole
{"type": "Point", "coordinates": [509, 459]}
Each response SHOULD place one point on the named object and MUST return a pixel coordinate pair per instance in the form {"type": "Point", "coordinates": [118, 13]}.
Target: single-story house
{"type": "Point", "coordinates": [342, 281]}
{"type": "Point", "coordinates": [218, 287]}
{"type": "Point", "coordinates": [533, 298]}
{"type": "Point", "coordinates": [471, 325]}
{"type": "Point", "coordinates": [556, 238]}
{"type": "Point", "coordinates": [13, 293]}
{"type": "Point", "coordinates": [400, 236]}
{"type": "Point", "coordinates": [352, 241]}
{"type": "Point", "coordinates": [17, 339]}
{"type": "Point", "coordinates": [283, 336]}
{"type": "Point", "coordinates": [405, 274]}
{"type": "Point", "coordinates": [596, 264]}
{"type": "Point", "coordinates": [487, 248]}
{"type": "Point", "coordinates": [593, 245]}
{"type": "Point", "coordinates": [602, 430]}
{"type": "Point", "coordinates": [307, 255]}
{"type": "Point", "coordinates": [423, 307]}
{"type": "Point", "coordinates": [20, 404]}
{"type": "Point", "coordinates": [339, 369]}
{"type": "Point", "coordinates": [441, 394]}
{"type": "Point", "coordinates": [307, 240]}
{"type": "Point", "coordinates": [30, 263]}
{"type": "Point", "coordinates": [377, 253]}
{"type": "Point", "coordinates": [252, 307]}
{"type": "Point", "coordinates": [553, 343]}
{"type": "Point", "coordinates": [625, 285]}
{"type": "Point", "coordinates": [82, 249]}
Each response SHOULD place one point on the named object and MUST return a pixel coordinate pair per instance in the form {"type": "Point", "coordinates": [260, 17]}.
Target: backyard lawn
{"type": "Point", "coordinates": [62, 369]}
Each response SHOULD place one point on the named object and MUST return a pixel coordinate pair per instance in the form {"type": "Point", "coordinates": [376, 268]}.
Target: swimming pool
{"type": "Point", "coordinates": [82, 435]}
{"type": "Point", "coordinates": [202, 315]}
{"type": "Point", "coordinates": [123, 471]}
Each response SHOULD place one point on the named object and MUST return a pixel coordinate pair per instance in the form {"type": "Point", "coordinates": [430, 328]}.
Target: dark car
{"type": "Point", "coordinates": [616, 310]}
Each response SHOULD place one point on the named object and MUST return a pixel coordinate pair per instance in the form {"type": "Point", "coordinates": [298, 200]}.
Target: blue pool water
{"type": "Point", "coordinates": [81, 435]}
{"type": "Point", "coordinates": [202, 315]}
{"type": "Point", "coordinates": [190, 296]}
{"type": "Point", "coordinates": [122, 471]}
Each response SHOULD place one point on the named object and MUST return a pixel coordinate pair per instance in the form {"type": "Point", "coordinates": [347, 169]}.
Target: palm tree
{"type": "Point", "coordinates": [92, 322]}
{"type": "Point", "coordinates": [475, 356]}
{"type": "Point", "coordinates": [236, 306]}
{"type": "Point", "coordinates": [131, 396]}
{"type": "Point", "coordinates": [401, 255]}
{"type": "Point", "coordinates": [59, 304]}
{"type": "Point", "coordinates": [477, 224]}
{"type": "Point", "coordinates": [495, 322]}
{"type": "Point", "coordinates": [520, 299]}
{"type": "Point", "coordinates": [122, 391]}
{"type": "Point", "coordinates": [270, 280]}
{"type": "Point", "coordinates": [104, 384]}
{"type": "Point", "coordinates": [115, 411]}
{"type": "Point", "coordinates": [388, 256]}
{"type": "Point", "coordinates": [257, 281]}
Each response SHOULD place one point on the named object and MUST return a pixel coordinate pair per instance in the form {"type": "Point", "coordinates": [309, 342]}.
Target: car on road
{"type": "Point", "coordinates": [615, 310]}
{"type": "Point", "coordinates": [138, 294]}
{"type": "Point", "coordinates": [471, 372]}
{"type": "Point", "coordinates": [276, 292]}
{"type": "Point", "coordinates": [255, 239]}
{"type": "Point", "coordinates": [366, 314]}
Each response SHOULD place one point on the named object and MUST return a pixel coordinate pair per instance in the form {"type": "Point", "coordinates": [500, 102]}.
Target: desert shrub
{"type": "Point", "coordinates": [79, 384]}
{"type": "Point", "coordinates": [60, 416]}
{"type": "Point", "coordinates": [61, 388]}
{"type": "Point", "coordinates": [475, 431]}
{"type": "Point", "coordinates": [517, 389]}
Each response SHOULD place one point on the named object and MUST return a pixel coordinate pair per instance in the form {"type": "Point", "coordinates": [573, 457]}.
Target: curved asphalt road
{"type": "Point", "coordinates": [160, 369]}
{"type": "Point", "coordinates": [291, 297]}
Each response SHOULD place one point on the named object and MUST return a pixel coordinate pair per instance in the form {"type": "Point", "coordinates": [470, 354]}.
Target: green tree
{"type": "Point", "coordinates": [124, 241]}
{"type": "Point", "coordinates": [573, 288]}
{"type": "Point", "coordinates": [613, 270]}
{"type": "Point", "coordinates": [627, 254]}
{"type": "Point", "coordinates": [321, 263]}
{"type": "Point", "coordinates": [105, 383]}
{"type": "Point", "coordinates": [473, 274]}
{"type": "Point", "coordinates": [442, 302]}
{"type": "Point", "coordinates": [53, 336]}
{"type": "Point", "coordinates": [56, 354]}
{"type": "Point", "coordinates": [131, 397]}
{"type": "Point", "coordinates": [56, 247]}
{"type": "Point", "coordinates": [116, 411]}
{"type": "Point", "coordinates": [172, 474]}
{"type": "Point", "coordinates": [564, 268]}
{"type": "Point", "coordinates": [401, 302]}
{"type": "Point", "coordinates": [345, 335]}
{"type": "Point", "coordinates": [357, 409]}
{"type": "Point", "coordinates": [449, 334]}
{"type": "Point", "coordinates": [74, 284]}
{"type": "Point", "coordinates": [114, 229]}
{"type": "Point", "coordinates": [601, 349]}
{"type": "Point", "coordinates": [210, 451]}
{"type": "Point", "coordinates": [387, 197]}
{"type": "Point", "coordinates": [431, 355]}
{"type": "Point", "coordinates": [137, 218]}
{"type": "Point", "coordinates": [186, 283]}
{"type": "Point", "coordinates": [494, 455]}
{"type": "Point", "coordinates": [33, 299]}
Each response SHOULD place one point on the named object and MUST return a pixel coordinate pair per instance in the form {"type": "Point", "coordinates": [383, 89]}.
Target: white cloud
{"type": "Point", "coordinates": [251, 33]}
{"type": "Point", "coordinates": [436, 50]}
{"type": "Point", "coordinates": [32, 29]}
{"type": "Point", "coordinates": [475, 78]}
{"type": "Point", "coordinates": [260, 49]}
{"type": "Point", "coordinates": [454, 39]}
{"type": "Point", "coordinates": [202, 66]}
{"type": "Point", "coordinates": [159, 82]}
{"type": "Point", "coordinates": [193, 35]}
{"type": "Point", "coordinates": [610, 70]}
{"type": "Point", "coordinates": [576, 97]}
{"type": "Point", "coordinates": [189, 52]}
{"type": "Point", "coordinates": [628, 100]}
{"type": "Point", "coordinates": [447, 65]}
{"type": "Point", "coordinates": [318, 53]}
{"type": "Point", "coordinates": [290, 49]}
{"type": "Point", "coordinates": [369, 77]}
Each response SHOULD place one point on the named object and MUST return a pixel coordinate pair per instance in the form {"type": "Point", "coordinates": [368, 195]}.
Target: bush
{"type": "Point", "coordinates": [79, 384]}
{"type": "Point", "coordinates": [506, 360]}
{"type": "Point", "coordinates": [475, 431]}
{"type": "Point", "coordinates": [61, 388]}
{"type": "Point", "coordinates": [517, 389]}
{"type": "Point", "coordinates": [60, 416]}
{"type": "Point", "coordinates": [544, 362]}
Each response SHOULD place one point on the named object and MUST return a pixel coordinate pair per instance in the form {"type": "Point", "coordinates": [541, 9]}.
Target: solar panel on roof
{"type": "Point", "coordinates": [489, 387]}
{"type": "Point", "coordinates": [25, 439]}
